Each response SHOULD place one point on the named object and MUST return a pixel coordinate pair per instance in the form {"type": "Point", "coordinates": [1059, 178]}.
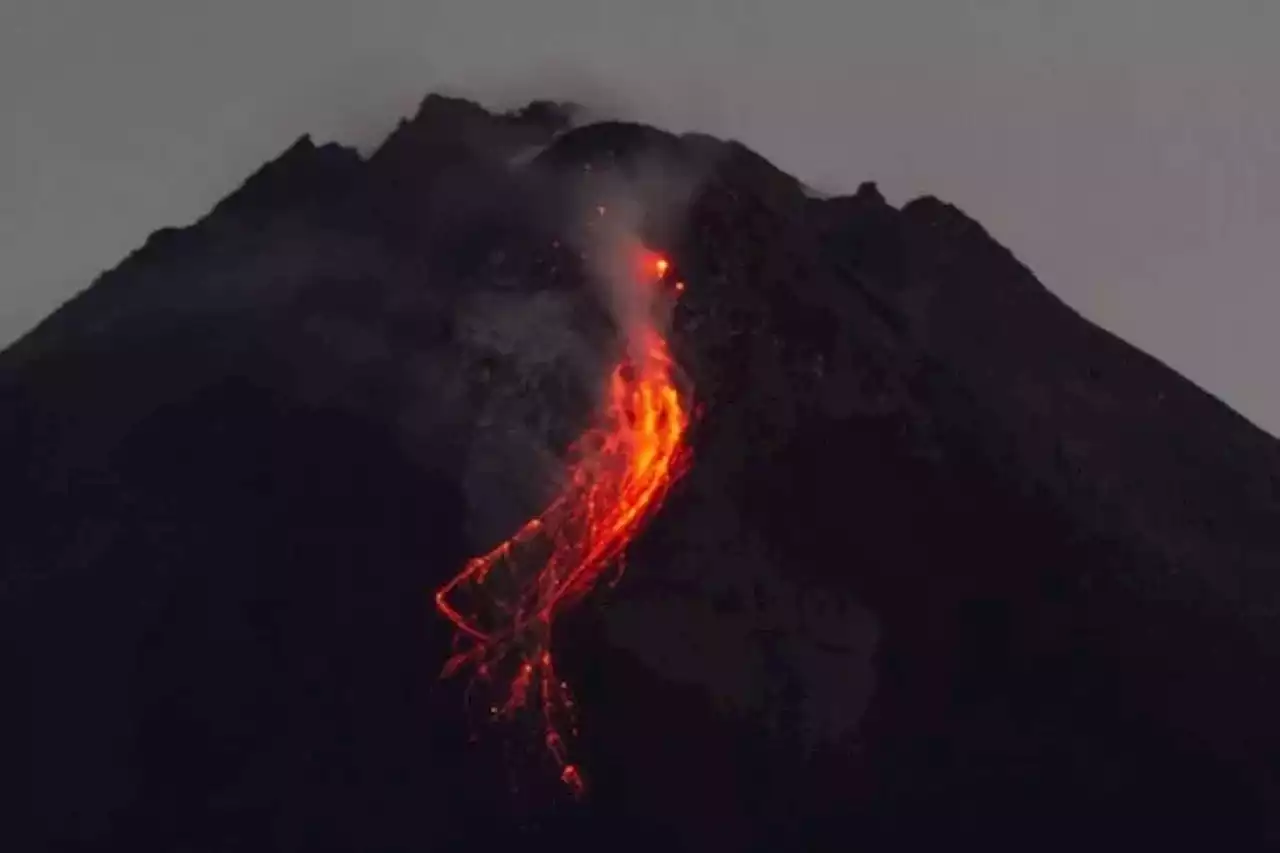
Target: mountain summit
{"type": "Point", "coordinates": [948, 562]}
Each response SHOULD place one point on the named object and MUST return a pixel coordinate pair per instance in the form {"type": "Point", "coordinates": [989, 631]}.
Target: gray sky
{"type": "Point", "coordinates": [1127, 150]}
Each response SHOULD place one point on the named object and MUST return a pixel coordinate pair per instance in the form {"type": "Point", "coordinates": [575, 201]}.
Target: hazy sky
{"type": "Point", "coordinates": [1127, 150]}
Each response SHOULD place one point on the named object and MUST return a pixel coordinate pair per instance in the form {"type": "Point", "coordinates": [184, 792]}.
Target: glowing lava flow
{"type": "Point", "coordinates": [503, 603]}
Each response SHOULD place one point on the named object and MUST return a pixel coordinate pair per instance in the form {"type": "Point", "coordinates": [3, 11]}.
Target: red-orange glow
{"type": "Point", "coordinates": [651, 266]}
{"type": "Point", "coordinates": [571, 778]}
{"type": "Point", "coordinates": [503, 603]}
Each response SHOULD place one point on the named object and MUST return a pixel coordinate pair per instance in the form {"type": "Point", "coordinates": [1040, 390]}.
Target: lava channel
{"type": "Point", "coordinates": [503, 604]}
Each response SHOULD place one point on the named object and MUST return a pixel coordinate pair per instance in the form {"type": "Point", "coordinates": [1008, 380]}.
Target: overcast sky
{"type": "Point", "coordinates": [1127, 150]}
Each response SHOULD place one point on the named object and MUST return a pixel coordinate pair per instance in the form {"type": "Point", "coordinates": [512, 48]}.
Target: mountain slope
{"type": "Point", "coordinates": [951, 562]}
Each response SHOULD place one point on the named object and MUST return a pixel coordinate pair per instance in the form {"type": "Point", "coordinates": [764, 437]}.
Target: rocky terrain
{"type": "Point", "coordinates": [952, 564]}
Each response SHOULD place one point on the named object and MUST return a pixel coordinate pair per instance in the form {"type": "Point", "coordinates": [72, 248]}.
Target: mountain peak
{"type": "Point", "coordinates": [948, 562]}
{"type": "Point", "coordinates": [303, 176]}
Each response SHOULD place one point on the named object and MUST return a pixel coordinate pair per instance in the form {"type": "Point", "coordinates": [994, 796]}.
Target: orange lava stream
{"type": "Point", "coordinates": [503, 603]}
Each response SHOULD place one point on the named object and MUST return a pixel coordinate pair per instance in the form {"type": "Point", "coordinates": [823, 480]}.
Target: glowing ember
{"type": "Point", "coordinates": [649, 266]}
{"type": "Point", "coordinates": [503, 603]}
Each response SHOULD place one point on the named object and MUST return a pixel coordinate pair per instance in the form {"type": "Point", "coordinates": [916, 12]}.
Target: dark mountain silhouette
{"type": "Point", "coordinates": [952, 564]}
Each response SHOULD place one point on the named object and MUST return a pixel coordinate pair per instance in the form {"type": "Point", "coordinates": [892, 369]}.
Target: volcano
{"type": "Point", "coordinates": [921, 555]}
